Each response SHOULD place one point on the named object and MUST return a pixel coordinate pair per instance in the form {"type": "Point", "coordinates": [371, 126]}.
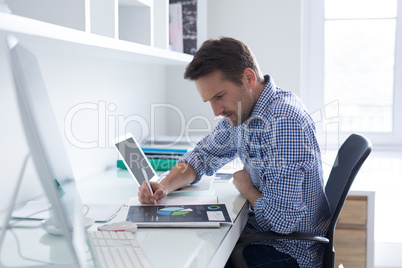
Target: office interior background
{"type": "Point", "coordinates": [342, 58]}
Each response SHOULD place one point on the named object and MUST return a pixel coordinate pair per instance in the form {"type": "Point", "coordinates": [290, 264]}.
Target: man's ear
{"type": "Point", "coordinates": [250, 79]}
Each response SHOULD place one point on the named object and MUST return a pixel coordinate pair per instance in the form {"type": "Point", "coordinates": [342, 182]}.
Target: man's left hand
{"type": "Point", "coordinates": [243, 183]}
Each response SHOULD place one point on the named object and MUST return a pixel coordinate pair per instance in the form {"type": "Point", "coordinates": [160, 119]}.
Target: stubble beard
{"type": "Point", "coordinates": [239, 117]}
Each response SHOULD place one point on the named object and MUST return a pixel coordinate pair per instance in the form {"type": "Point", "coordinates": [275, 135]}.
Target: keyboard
{"type": "Point", "coordinates": [117, 249]}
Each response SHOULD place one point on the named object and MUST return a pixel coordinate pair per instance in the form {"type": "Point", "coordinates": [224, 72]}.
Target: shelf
{"type": "Point", "coordinates": [135, 22]}
{"type": "Point", "coordinates": [47, 37]}
{"type": "Point", "coordinates": [143, 3]}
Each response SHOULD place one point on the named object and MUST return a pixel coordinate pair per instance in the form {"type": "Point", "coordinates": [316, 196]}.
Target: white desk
{"type": "Point", "coordinates": [175, 247]}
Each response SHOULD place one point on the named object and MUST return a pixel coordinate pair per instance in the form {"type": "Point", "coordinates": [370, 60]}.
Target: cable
{"type": "Point", "coordinates": [17, 241]}
{"type": "Point", "coordinates": [87, 207]}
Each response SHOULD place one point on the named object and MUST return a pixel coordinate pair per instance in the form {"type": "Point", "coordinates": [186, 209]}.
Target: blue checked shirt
{"type": "Point", "coordinates": [279, 149]}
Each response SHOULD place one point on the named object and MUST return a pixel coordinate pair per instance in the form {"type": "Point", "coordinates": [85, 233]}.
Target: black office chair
{"type": "Point", "coordinates": [349, 159]}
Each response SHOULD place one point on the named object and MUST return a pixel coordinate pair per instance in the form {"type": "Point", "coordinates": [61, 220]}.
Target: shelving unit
{"type": "Point", "coordinates": [354, 234]}
{"type": "Point", "coordinates": [129, 30]}
{"type": "Point", "coordinates": [71, 14]}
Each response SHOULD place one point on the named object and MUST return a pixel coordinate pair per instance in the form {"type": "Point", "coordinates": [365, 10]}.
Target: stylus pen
{"type": "Point", "coordinates": [149, 185]}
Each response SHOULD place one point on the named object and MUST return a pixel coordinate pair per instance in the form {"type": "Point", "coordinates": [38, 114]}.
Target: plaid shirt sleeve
{"type": "Point", "coordinates": [286, 157]}
{"type": "Point", "coordinates": [212, 152]}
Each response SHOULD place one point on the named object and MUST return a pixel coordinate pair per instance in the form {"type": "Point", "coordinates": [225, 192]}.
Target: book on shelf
{"type": "Point", "coordinates": [183, 26]}
{"type": "Point", "coordinates": [175, 27]}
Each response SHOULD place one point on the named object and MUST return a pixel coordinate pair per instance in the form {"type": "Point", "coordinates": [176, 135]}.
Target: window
{"type": "Point", "coordinates": [352, 64]}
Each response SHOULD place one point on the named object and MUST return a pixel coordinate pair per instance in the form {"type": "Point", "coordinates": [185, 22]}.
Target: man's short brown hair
{"type": "Point", "coordinates": [228, 55]}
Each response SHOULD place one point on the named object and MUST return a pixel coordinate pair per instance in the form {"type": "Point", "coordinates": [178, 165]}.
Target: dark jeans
{"type": "Point", "coordinates": [260, 256]}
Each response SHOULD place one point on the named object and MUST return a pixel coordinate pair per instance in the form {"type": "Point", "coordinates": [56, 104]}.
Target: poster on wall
{"type": "Point", "coordinates": [188, 22]}
{"type": "Point", "coordinates": [175, 27]}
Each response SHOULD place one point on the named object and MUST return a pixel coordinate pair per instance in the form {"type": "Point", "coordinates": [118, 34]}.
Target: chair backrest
{"type": "Point", "coordinates": [349, 159]}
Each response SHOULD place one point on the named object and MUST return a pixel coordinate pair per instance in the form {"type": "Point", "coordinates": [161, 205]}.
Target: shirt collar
{"type": "Point", "coordinates": [265, 97]}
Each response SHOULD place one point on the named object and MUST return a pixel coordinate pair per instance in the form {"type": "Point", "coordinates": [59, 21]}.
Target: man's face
{"type": "Point", "coordinates": [231, 101]}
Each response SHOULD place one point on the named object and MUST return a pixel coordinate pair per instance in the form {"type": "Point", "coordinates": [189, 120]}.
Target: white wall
{"type": "Point", "coordinates": [183, 95]}
{"type": "Point", "coordinates": [92, 85]}
{"type": "Point", "coordinates": [272, 29]}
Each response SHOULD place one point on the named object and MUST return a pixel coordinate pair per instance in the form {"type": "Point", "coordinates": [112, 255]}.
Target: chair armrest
{"type": "Point", "coordinates": [269, 235]}
{"type": "Point", "coordinates": [237, 258]}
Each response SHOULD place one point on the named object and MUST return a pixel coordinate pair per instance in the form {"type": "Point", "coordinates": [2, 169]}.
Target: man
{"type": "Point", "coordinates": [274, 137]}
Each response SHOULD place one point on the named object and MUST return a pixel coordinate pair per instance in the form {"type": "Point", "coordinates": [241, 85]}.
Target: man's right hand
{"type": "Point", "coordinates": [146, 198]}
{"type": "Point", "coordinates": [181, 175]}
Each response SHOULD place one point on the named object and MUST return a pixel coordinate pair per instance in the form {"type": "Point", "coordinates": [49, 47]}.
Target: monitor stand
{"type": "Point", "coordinates": [5, 226]}
{"type": "Point", "coordinates": [9, 211]}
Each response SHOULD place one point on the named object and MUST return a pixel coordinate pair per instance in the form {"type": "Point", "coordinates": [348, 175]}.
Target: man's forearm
{"type": "Point", "coordinates": [182, 174]}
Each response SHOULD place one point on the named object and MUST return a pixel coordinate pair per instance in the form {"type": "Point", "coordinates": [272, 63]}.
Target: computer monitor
{"type": "Point", "coordinates": [47, 149]}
